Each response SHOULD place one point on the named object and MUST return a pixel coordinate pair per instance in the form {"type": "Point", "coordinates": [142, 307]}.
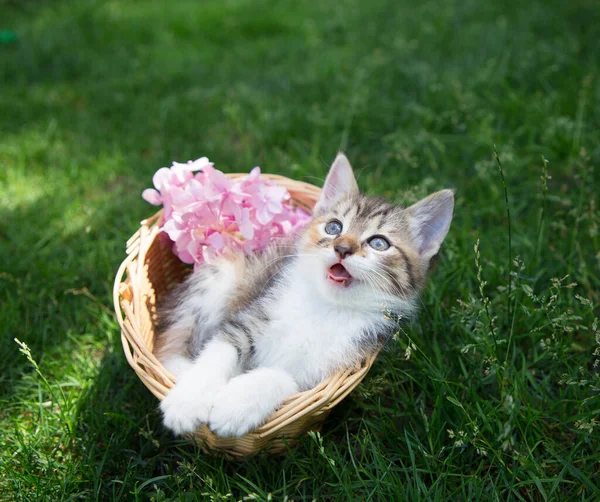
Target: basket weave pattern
{"type": "Point", "coordinates": [151, 270]}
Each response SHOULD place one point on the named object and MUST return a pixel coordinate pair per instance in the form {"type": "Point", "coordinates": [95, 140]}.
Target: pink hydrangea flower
{"type": "Point", "coordinates": [207, 214]}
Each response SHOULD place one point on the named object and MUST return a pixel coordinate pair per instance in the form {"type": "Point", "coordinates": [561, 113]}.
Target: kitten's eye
{"type": "Point", "coordinates": [334, 227]}
{"type": "Point", "coordinates": [379, 243]}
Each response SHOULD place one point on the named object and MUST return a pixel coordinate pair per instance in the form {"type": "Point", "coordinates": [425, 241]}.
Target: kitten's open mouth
{"type": "Point", "coordinates": [339, 275]}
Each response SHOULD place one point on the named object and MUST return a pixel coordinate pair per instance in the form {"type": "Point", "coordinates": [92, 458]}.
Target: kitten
{"type": "Point", "coordinates": [247, 332]}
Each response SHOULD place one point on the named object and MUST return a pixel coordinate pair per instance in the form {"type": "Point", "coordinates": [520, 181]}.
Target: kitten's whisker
{"type": "Point", "coordinates": [375, 285]}
{"type": "Point", "coordinates": [376, 288]}
{"type": "Point", "coordinates": [413, 290]}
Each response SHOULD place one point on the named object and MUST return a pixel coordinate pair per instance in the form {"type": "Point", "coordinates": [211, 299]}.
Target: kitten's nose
{"type": "Point", "coordinates": [342, 250]}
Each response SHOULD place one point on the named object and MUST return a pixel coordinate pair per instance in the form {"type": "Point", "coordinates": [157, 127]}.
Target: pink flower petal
{"type": "Point", "coordinates": [193, 165]}
{"type": "Point", "coordinates": [245, 225]}
{"type": "Point", "coordinates": [216, 240]}
{"type": "Point", "coordinates": [152, 196]}
{"type": "Point", "coordinates": [161, 178]}
{"type": "Point", "coordinates": [263, 215]}
{"type": "Point", "coordinates": [254, 174]}
{"type": "Point", "coordinates": [274, 206]}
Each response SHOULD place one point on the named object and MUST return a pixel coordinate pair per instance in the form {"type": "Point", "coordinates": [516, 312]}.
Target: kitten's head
{"type": "Point", "coordinates": [365, 251]}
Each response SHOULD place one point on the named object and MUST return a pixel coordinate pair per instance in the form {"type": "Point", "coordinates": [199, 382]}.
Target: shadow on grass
{"type": "Point", "coordinates": [45, 256]}
{"type": "Point", "coordinates": [118, 431]}
{"type": "Point", "coordinates": [124, 448]}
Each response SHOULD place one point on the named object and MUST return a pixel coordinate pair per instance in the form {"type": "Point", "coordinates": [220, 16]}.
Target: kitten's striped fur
{"type": "Point", "coordinates": [246, 332]}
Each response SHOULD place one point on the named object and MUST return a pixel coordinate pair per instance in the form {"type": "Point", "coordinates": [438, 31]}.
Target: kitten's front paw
{"type": "Point", "coordinates": [228, 419]}
{"type": "Point", "coordinates": [185, 408]}
{"type": "Point", "coordinates": [236, 412]}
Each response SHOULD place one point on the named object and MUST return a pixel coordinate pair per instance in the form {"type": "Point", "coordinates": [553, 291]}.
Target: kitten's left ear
{"type": "Point", "coordinates": [430, 221]}
{"type": "Point", "coordinates": [340, 183]}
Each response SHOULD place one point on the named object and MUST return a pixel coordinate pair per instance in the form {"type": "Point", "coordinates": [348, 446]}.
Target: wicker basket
{"type": "Point", "coordinates": [149, 272]}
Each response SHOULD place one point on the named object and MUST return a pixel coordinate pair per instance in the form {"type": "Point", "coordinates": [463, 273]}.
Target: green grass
{"type": "Point", "coordinates": [499, 399]}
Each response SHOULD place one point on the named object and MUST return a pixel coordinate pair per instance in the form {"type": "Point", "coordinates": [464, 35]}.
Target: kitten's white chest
{"type": "Point", "coordinates": [309, 338]}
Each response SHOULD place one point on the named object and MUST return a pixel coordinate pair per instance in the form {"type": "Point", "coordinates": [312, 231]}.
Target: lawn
{"type": "Point", "coordinates": [492, 394]}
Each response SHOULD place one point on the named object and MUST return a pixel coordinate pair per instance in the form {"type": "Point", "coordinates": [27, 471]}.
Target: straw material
{"type": "Point", "coordinates": [150, 271]}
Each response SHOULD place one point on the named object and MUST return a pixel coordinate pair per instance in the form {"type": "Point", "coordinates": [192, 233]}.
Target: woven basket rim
{"type": "Point", "coordinates": [131, 291]}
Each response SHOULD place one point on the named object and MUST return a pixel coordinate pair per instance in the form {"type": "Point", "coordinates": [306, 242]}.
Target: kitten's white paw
{"type": "Point", "coordinates": [187, 406]}
{"type": "Point", "coordinates": [236, 411]}
{"type": "Point", "coordinates": [248, 400]}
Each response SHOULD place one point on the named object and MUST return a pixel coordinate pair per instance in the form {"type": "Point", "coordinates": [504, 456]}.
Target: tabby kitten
{"type": "Point", "coordinates": [247, 332]}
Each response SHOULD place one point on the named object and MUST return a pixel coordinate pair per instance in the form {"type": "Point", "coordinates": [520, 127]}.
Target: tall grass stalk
{"type": "Point", "coordinates": [540, 233]}
{"type": "Point", "coordinates": [499, 163]}
{"type": "Point", "coordinates": [484, 299]}
{"type": "Point", "coordinates": [59, 399]}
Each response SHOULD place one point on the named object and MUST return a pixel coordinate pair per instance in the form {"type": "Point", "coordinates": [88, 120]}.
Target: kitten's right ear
{"type": "Point", "coordinates": [430, 221]}
{"type": "Point", "coordinates": [340, 183]}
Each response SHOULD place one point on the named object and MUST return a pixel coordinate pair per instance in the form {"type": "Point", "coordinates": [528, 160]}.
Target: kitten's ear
{"type": "Point", "coordinates": [340, 183]}
{"type": "Point", "coordinates": [430, 221]}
